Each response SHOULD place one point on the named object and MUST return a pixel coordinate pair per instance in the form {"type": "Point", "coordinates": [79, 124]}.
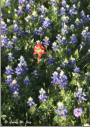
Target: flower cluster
{"type": "Point", "coordinates": [59, 78]}
{"type": "Point", "coordinates": [81, 95]}
{"type": "Point", "coordinates": [46, 41]}
{"type": "Point", "coordinates": [30, 101]}
{"type": "Point", "coordinates": [54, 46]}
{"type": "Point", "coordinates": [73, 39]}
{"type": "Point", "coordinates": [7, 3]}
{"type": "Point", "coordinates": [10, 57]}
{"type": "Point", "coordinates": [42, 95]}
{"type": "Point", "coordinates": [26, 81]}
{"type": "Point", "coordinates": [21, 68]}
{"type": "Point", "coordinates": [50, 59]}
{"type": "Point", "coordinates": [46, 23]}
{"type": "Point", "coordinates": [39, 32]}
{"type": "Point", "coordinates": [61, 111]}
{"type": "Point", "coordinates": [42, 10]}
{"type": "Point", "coordinates": [4, 29]}
{"type": "Point", "coordinates": [76, 69]}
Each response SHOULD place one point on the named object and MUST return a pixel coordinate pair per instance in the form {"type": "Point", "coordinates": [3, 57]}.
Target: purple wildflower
{"type": "Point", "coordinates": [54, 46]}
{"type": "Point", "coordinates": [73, 39]}
{"type": "Point", "coordinates": [9, 70]}
{"type": "Point", "coordinates": [10, 57]}
{"type": "Point", "coordinates": [81, 95]}
{"type": "Point", "coordinates": [7, 3]}
{"type": "Point", "coordinates": [61, 110]}
{"type": "Point", "coordinates": [42, 95]}
{"type": "Point", "coordinates": [76, 69]}
{"type": "Point", "coordinates": [78, 112]}
{"type": "Point", "coordinates": [30, 101]}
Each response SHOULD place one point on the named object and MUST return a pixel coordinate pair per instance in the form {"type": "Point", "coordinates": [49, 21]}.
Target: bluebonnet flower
{"type": "Point", "coordinates": [61, 111]}
{"type": "Point", "coordinates": [81, 95]}
{"type": "Point", "coordinates": [55, 78]}
{"type": "Point", "coordinates": [20, 31]}
{"type": "Point", "coordinates": [82, 45]}
{"type": "Point", "coordinates": [63, 3]}
{"type": "Point", "coordinates": [64, 30]}
{"type": "Point", "coordinates": [59, 38]}
{"type": "Point", "coordinates": [42, 10]}
{"type": "Point", "coordinates": [9, 79]}
{"type": "Point", "coordinates": [68, 50]}
{"type": "Point", "coordinates": [9, 45]}
{"type": "Point", "coordinates": [26, 81]}
{"type": "Point", "coordinates": [16, 94]}
{"type": "Point", "coordinates": [4, 40]}
{"type": "Point", "coordinates": [55, 10]}
{"type": "Point", "coordinates": [10, 57]}
{"type": "Point", "coordinates": [35, 73]}
{"type": "Point", "coordinates": [42, 95]}
{"type": "Point", "coordinates": [62, 11]}
{"type": "Point", "coordinates": [88, 75]}
{"type": "Point", "coordinates": [15, 27]}
{"type": "Point", "coordinates": [82, 15]}
{"type": "Point", "coordinates": [41, 19]}
{"type": "Point", "coordinates": [59, 78]}
{"type": "Point", "coordinates": [28, 19]}
{"type": "Point", "coordinates": [65, 19]}
{"type": "Point", "coordinates": [34, 15]}
{"type": "Point", "coordinates": [73, 61]}
{"type": "Point", "coordinates": [73, 39]}
{"type": "Point", "coordinates": [14, 40]}
{"type": "Point", "coordinates": [17, 49]}
{"type": "Point", "coordinates": [46, 41]}
{"type": "Point", "coordinates": [21, 68]}
{"type": "Point", "coordinates": [78, 112]}
{"type": "Point", "coordinates": [77, 21]}
{"type": "Point", "coordinates": [22, 2]}
{"type": "Point", "coordinates": [4, 29]}
{"type": "Point", "coordinates": [84, 34]}
{"type": "Point", "coordinates": [87, 18]}
{"type": "Point", "coordinates": [72, 11]}
{"type": "Point", "coordinates": [7, 3]}
{"type": "Point", "coordinates": [28, 8]}
{"type": "Point", "coordinates": [63, 40]}
{"type": "Point", "coordinates": [53, 2]}
{"type": "Point", "coordinates": [9, 70]}
{"type": "Point", "coordinates": [20, 11]}
{"type": "Point", "coordinates": [65, 63]}
{"type": "Point", "coordinates": [28, 31]}
{"type": "Point", "coordinates": [67, 8]}
{"type": "Point", "coordinates": [46, 23]}
{"type": "Point", "coordinates": [76, 69]}
{"type": "Point", "coordinates": [72, 27]}
{"type": "Point", "coordinates": [31, 2]}
{"type": "Point", "coordinates": [54, 46]}
{"type": "Point", "coordinates": [50, 59]}
{"type": "Point", "coordinates": [38, 32]}
{"type": "Point", "coordinates": [30, 101]}
{"type": "Point", "coordinates": [81, 22]}
{"type": "Point", "coordinates": [14, 86]}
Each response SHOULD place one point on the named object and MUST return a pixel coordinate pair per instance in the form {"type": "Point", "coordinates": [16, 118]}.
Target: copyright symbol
{"type": "Point", "coordinates": [5, 121]}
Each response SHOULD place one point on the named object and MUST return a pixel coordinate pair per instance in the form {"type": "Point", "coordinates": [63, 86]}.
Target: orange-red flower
{"type": "Point", "coordinates": [39, 49]}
